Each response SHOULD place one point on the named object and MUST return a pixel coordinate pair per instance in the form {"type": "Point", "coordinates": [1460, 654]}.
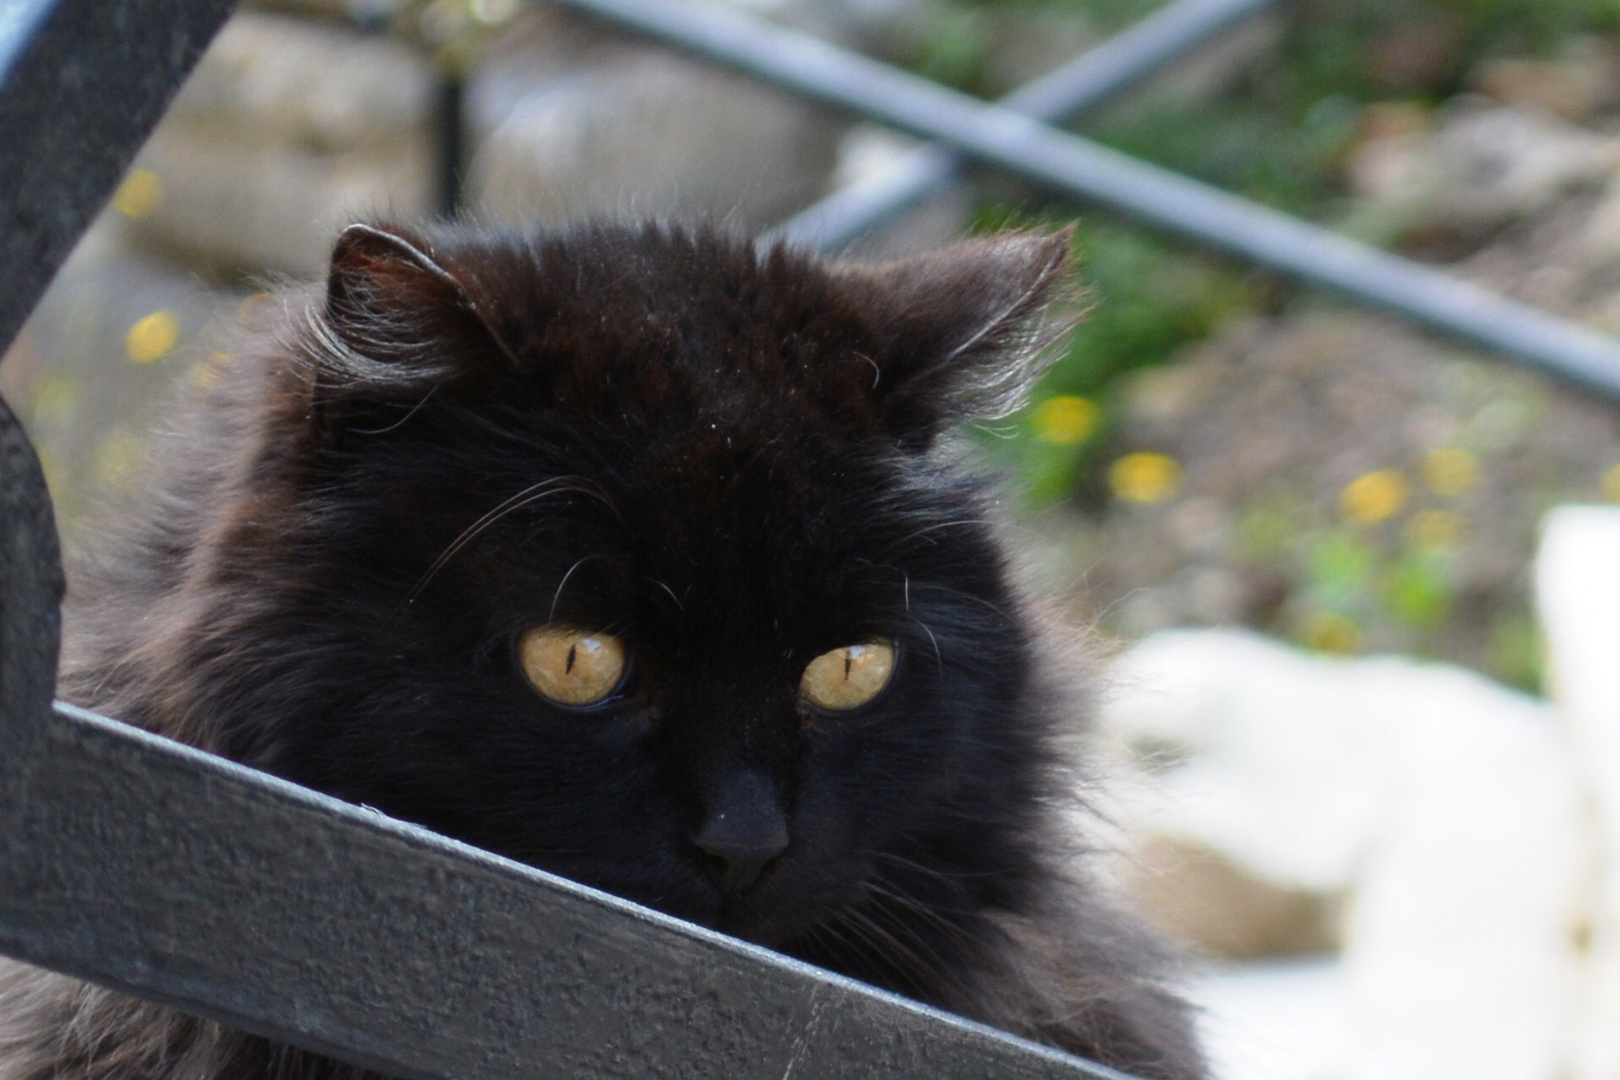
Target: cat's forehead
{"type": "Point", "coordinates": [744, 539]}
{"type": "Point", "coordinates": [709, 337]}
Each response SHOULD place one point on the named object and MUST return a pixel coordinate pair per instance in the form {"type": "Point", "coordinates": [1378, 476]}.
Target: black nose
{"type": "Point", "coordinates": [744, 831]}
{"type": "Point", "coordinates": [742, 859]}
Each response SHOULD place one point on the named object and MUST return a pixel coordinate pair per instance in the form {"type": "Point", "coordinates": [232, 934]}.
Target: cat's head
{"type": "Point", "coordinates": [632, 553]}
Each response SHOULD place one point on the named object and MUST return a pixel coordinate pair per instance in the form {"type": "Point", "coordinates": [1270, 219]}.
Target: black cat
{"type": "Point", "coordinates": [643, 557]}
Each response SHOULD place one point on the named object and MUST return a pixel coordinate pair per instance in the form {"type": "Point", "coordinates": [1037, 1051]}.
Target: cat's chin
{"type": "Point", "coordinates": [766, 929]}
{"type": "Point", "coordinates": [788, 901]}
{"type": "Point", "coordinates": [756, 915]}
{"type": "Point", "coordinates": [774, 914]}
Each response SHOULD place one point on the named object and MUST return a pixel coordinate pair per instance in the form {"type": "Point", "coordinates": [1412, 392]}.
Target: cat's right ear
{"type": "Point", "coordinates": [964, 331]}
{"type": "Point", "coordinates": [404, 319]}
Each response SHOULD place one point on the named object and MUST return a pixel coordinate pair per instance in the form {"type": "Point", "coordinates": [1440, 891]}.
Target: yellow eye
{"type": "Point", "coordinates": [571, 667]}
{"type": "Point", "coordinates": [848, 678]}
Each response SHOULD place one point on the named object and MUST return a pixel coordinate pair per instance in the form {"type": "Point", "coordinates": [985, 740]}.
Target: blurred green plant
{"type": "Point", "coordinates": [1370, 50]}
{"type": "Point", "coordinates": [1106, 14]}
{"type": "Point", "coordinates": [1245, 146]}
{"type": "Point", "coordinates": [954, 47]}
{"type": "Point", "coordinates": [1418, 590]}
{"type": "Point", "coordinates": [1515, 650]}
{"type": "Point", "coordinates": [1269, 527]}
{"type": "Point", "coordinates": [1339, 570]}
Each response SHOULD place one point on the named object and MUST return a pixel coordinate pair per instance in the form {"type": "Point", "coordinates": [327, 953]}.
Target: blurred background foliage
{"type": "Point", "coordinates": [1376, 560]}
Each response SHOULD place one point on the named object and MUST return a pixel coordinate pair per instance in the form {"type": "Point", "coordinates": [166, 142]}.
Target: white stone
{"type": "Point", "coordinates": [1270, 762]}
{"type": "Point", "coordinates": [1275, 1020]}
{"type": "Point", "coordinates": [1445, 806]}
{"type": "Point", "coordinates": [1578, 596]}
{"type": "Point", "coordinates": [1459, 943]}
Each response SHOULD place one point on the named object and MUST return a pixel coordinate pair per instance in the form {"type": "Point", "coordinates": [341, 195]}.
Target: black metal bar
{"type": "Point", "coordinates": [82, 83]}
{"type": "Point", "coordinates": [30, 595]}
{"type": "Point", "coordinates": [1091, 79]}
{"type": "Point", "coordinates": [451, 106]}
{"type": "Point", "coordinates": [1121, 183]}
{"type": "Point", "coordinates": [162, 871]}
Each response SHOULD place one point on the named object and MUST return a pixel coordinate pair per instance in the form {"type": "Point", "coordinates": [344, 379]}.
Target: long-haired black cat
{"type": "Point", "coordinates": [644, 557]}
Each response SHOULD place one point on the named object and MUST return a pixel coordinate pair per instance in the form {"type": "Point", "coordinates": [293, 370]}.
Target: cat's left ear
{"type": "Point", "coordinates": [965, 329]}
{"type": "Point", "coordinates": [405, 317]}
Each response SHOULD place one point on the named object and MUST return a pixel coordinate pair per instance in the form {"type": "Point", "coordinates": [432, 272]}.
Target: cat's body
{"type": "Point", "coordinates": [410, 504]}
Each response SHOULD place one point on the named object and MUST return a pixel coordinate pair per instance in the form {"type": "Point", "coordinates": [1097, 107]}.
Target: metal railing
{"type": "Point", "coordinates": [176, 876]}
{"type": "Point", "coordinates": [1000, 136]}
{"type": "Point", "coordinates": [1093, 78]}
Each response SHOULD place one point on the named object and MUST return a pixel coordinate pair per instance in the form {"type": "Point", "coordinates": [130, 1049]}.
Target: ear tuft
{"type": "Point", "coordinates": [366, 260]}
{"type": "Point", "coordinates": [964, 328]}
{"type": "Point", "coordinates": [402, 317]}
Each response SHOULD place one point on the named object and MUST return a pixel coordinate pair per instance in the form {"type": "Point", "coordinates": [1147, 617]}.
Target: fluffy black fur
{"type": "Point", "coordinates": [732, 461]}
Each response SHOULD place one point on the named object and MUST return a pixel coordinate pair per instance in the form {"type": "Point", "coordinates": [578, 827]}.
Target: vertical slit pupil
{"type": "Point", "coordinates": [573, 651]}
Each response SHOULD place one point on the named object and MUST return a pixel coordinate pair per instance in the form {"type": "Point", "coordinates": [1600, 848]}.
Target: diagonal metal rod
{"type": "Point", "coordinates": [159, 870]}
{"type": "Point", "coordinates": [81, 84]}
{"type": "Point", "coordinates": [1159, 197]}
{"type": "Point", "coordinates": [1091, 79]}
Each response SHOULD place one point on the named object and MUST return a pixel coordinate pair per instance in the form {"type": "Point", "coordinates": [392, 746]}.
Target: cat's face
{"type": "Point", "coordinates": [627, 556]}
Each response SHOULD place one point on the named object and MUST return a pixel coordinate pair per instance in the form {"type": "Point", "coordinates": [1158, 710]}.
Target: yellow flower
{"type": "Point", "coordinates": [153, 337]}
{"type": "Point", "coordinates": [1450, 471]}
{"type": "Point", "coordinates": [139, 194]}
{"type": "Point", "coordinates": [1329, 632]}
{"type": "Point", "coordinates": [1436, 530]}
{"type": "Point", "coordinates": [1066, 420]}
{"type": "Point", "coordinates": [1374, 497]}
{"type": "Point", "coordinates": [1145, 477]}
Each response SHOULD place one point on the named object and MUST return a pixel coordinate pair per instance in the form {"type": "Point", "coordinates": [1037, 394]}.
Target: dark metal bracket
{"type": "Point", "coordinates": [82, 83]}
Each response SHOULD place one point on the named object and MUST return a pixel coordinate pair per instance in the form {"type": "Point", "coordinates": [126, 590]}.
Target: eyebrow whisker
{"type": "Point", "coordinates": [556, 596]}
{"type": "Point", "coordinates": [527, 497]}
